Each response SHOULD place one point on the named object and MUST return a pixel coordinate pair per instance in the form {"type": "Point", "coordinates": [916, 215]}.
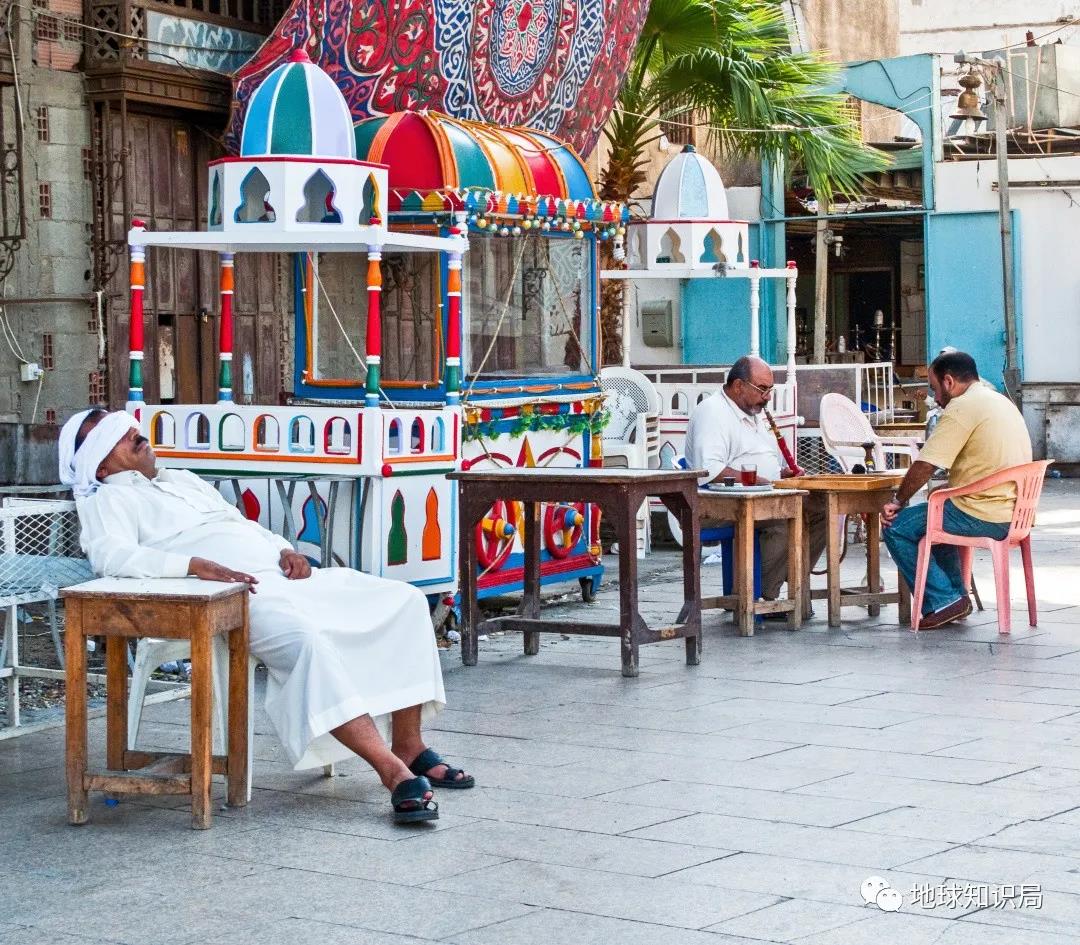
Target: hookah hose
{"type": "Point", "coordinates": [782, 443]}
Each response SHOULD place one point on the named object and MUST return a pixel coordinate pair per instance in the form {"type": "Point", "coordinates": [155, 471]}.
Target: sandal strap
{"type": "Point", "coordinates": [425, 761]}
{"type": "Point", "coordinates": [411, 790]}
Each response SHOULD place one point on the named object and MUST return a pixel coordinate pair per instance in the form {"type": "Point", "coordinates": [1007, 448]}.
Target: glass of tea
{"type": "Point", "coordinates": [748, 475]}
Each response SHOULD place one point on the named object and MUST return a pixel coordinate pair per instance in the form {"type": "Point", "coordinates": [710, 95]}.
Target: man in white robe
{"type": "Point", "coordinates": [350, 657]}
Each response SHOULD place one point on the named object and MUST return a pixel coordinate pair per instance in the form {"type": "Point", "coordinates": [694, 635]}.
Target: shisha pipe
{"type": "Point", "coordinates": [796, 470]}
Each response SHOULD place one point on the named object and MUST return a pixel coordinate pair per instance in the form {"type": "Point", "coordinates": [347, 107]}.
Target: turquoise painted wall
{"type": "Point", "coordinates": [964, 304]}
{"type": "Point", "coordinates": [716, 311]}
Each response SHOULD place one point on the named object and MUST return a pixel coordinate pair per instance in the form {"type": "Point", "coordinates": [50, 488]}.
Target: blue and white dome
{"type": "Point", "coordinates": [689, 188]}
{"type": "Point", "coordinates": [298, 111]}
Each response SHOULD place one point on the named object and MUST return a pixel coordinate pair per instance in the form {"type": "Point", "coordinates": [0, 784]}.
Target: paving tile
{"type": "Point", "coordinates": [345, 855]}
{"type": "Point", "coordinates": [748, 802]}
{"type": "Point", "coordinates": [557, 927]}
{"type": "Point", "coordinates": [790, 920]}
{"type": "Point", "coordinates": [543, 810]}
{"type": "Point", "coordinates": [877, 851]}
{"type": "Point", "coordinates": [310, 932]}
{"type": "Point", "coordinates": [997, 797]}
{"type": "Point", "coordinates": [594, 851]}
{"type": "Point", "coordinates": [382, 907]}
{"type": "Point", "coordinates": [998, 866]}
{"type": "Point", "coordinates": [22, 935]}
{"type": "Point", "coordinates": [1013, 750]}
{"type": "Point", "coordinates": [922, 740]}
{"type": "Point", "coordinates": [926, 767]}
{"type": "Point", "coordinates": [1057, 913]}
{"type": "Point", "coordinates": [1053, 838]}
{"type": "Point", "coordinates": [946, 707]}
{"type": "Point", "coordinates": [923, 824]}
{"type": "Point", "coordinates": [907, 929]}
{"type": "Point", "coordinates": [661, 901]}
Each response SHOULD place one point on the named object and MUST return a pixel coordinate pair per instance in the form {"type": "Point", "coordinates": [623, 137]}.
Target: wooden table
{"type": "Point", "coordinates": [852, 495]}
{"type": "Point", "coordinates": [619, 493]}
{"type": "Point", "coordinates": [174, 608]}
{"type": "Point", "coordinates": [743, 508]}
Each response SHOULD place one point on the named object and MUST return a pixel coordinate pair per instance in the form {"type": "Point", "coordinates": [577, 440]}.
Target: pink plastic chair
{"type": "Point", "coordinates": [1029, 483]}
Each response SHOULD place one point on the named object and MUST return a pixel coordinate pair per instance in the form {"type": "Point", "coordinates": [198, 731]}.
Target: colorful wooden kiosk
{"type": "Point", "coordinates": [445, 317]}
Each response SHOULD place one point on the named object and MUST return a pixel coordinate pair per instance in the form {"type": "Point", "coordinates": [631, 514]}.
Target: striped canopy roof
{"type": "Point", "coordinates": [298, 111]}
{"type": "Point", "coordinates": [431, 152]}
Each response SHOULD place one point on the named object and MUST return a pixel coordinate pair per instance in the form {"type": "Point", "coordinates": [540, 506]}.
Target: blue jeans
{"type": "Point", "coordinates": [944, 584]}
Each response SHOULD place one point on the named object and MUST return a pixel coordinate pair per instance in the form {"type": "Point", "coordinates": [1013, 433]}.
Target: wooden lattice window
{"type": "Point", "coordinates": [677, 122]}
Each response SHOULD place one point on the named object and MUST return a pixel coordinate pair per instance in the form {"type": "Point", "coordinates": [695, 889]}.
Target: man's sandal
{"type": "Point", "coordinates": [413, 802]}
{"type": "Point", "coordinates": [428, 759]}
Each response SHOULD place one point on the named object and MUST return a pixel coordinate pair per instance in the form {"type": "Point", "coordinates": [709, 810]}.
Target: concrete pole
{"type": "Point", "coordinates": [821, 282]}
{"type": "Point", "coordinates": [1001, 104]}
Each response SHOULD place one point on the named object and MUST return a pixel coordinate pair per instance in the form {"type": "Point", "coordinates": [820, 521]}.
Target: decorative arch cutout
{"type": "Point", "coordinates": [670, 251]}
{"type": "Point", "coordinates": [163, 431]}
{"type": "Point", "coordinates": [369, 211]}
{"type": "Point", "coordinates": [740, 254]}
{"type": "Point", "coordinates": [232, 434]}
{"type": "Point", "coordinates": [701, 396]}
{"type": "Point", "coordinates": [416, 436]}
{"type": "Point", "coordinates": [393, 437]}
{"type": "Point", "coordinates": [680, 403]}
{"type": "Point", "coordinates": [301, 435]}
{"type": "Point", "coordinates": [319, 193]}
{"type": "Point", "coordinates": [337, 437]}
{"type": "Point", "coordinates": [397, 543]}
{"type": "Point", "coordinates": [215, 200]}
{"type": "Point", "coordinates": [255, 199]}
{"type": "Point", "coordinates": [431, 542]}
{"type": "Point", "coordinates": [197, 431]}
{"type": "Point", "coordinates": [713, 249]}
{"type": "Point", "coordinates": [267, 434]}
{"type": "Point", "coordinates": [438, 436]}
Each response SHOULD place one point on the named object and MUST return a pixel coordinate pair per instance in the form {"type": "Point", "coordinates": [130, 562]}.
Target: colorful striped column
{"type": "Point", "coordinates": [453, 328]}
{"type": "Point", "coordinates": [225, 330]}
{"type": "Point", "coordinates": [374, 326]}
{"type": "Point", "coordinates": [137, 278]}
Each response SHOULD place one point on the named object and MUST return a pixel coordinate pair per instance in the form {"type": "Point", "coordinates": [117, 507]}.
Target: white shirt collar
{"type": "Point", "coordinates": [741, 414]}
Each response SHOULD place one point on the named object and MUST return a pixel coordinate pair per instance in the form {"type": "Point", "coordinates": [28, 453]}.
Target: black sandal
{"type": "Point", "coordinates": [428, 759]}
{"type": "Point", "coordinates": [413, 802]}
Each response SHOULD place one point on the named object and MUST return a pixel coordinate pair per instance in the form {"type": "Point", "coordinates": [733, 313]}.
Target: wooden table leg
{"type": "Point", "coordinates": [903, 605]}
{"type": "Point", "coordinates": [467, 565]}
{"type": "Point", "coordinates": [116, 697]}
{"type": "Point", "coordinates": [201, 726]}
{"type": "Point", "coordinates": [75, 713]}
{"type": "Point", "coordinates": [530, 598]}
{"type": "Point", "coordinates": [807, 564]}
{"type": "Point", "coordinates": [744, 570]}
{"type": "Point", "coordinates": [237, 767]}
{"type": "Point", "coordinates": [795, 569]}
{"type": "Point", "coordinates": [624, 519]}
{"type": "Point", "coordinates": [873, 560]}
{"type": "Point", "coordinates": [691, 564]}
{"type": "Point", "coordinates": [832, 522]}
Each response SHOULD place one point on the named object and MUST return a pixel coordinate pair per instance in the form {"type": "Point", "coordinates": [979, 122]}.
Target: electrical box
{"type": "Point", "coordinates": [30, 371]}
{"type": "Point", "coordinates": [657, 324]}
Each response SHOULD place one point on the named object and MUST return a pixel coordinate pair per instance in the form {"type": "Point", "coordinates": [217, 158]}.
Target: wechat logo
{"type": "Point", "coordinates": [877, 891]}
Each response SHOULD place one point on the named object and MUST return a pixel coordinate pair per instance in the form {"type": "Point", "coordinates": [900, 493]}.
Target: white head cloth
{"type": "Point", "coordinates": [78, 469]}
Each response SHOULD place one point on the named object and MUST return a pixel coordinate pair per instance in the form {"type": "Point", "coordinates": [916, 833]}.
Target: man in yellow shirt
{"type": "Point", "coordinates": [979, 433]}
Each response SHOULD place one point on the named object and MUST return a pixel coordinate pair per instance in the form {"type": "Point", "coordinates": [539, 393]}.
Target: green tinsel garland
{"type": "Point", "coordinates": [573, 424]}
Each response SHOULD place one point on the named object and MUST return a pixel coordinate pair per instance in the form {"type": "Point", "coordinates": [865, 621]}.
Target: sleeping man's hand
{"type": "Point", "coordinates": [294, 565]}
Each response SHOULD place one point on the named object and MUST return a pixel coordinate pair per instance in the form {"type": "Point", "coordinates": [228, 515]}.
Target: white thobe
{"type": "Point", "coordinates": [721, 434]}
{"type": "Point", "coordinates": [337, 645]}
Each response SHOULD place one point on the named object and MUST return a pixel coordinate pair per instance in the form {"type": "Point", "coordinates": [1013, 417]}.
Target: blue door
{"type": "Point", "coordinates": [964, 299]}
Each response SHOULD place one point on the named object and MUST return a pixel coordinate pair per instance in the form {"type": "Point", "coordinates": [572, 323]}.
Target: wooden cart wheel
{"type": "Point", "coordinates": [563, 525]}
{"type": "Point", "coordinates": [495, 534]}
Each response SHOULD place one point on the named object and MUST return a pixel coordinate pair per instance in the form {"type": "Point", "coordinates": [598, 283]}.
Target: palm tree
{"type": "Point", "coordinates": [731, 63]}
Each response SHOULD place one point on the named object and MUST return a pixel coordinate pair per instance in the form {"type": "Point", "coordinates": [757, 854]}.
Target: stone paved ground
{"type": "Point", "coordinates": [745, 800]}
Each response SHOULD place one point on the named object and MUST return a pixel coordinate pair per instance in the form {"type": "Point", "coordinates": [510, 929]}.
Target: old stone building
{"type": "Point", "coordinates": [110, 112]}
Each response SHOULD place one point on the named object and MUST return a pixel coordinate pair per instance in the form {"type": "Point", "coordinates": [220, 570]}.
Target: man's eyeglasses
{"type": "Point", "coordinates": [764, 391]}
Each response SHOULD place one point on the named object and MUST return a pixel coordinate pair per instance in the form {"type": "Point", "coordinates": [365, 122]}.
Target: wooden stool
{"type": "Point", "coordinates": [120, 609]}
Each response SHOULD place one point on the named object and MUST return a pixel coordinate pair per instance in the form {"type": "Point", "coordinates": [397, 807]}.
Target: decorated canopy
{"type": "Point", "coordinates": [689, 187]}
{"type": "Point", "coordinates": [427, 151]}
{"type": "Point", "coordinates": [552, 65]}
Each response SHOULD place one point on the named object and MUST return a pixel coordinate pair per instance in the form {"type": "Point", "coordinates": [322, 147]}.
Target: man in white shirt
{"type": "Point", "coordinates": [728, 431]}
{"type": "Point", "coordinates": [351, 658]}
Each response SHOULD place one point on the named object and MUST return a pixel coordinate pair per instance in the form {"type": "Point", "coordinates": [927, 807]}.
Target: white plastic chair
{"type": "Point", "coordinates": [631, 439]}
{"type": "Point", "coordinates": [151, 652]}
{"type": "Point", "coordinates": [845, 428]}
